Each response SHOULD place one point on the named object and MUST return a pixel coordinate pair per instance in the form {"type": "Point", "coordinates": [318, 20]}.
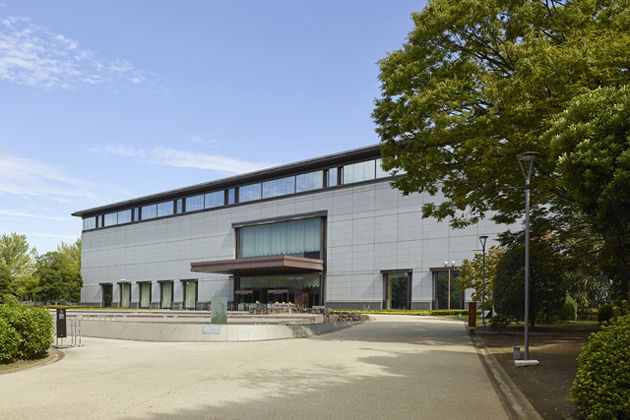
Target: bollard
{"type": "Point", "coordinates": [517, 352]}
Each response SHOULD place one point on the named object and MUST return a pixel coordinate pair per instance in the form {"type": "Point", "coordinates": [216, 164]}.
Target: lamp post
{"type": "Point", "coordinates": [122, 293]}
{"type": "Point", "coordinates": [525, 158]}
{"type": "Point", "coordinates": [483, 239]}
{"type": "Point", "coordinates": [449, 281]}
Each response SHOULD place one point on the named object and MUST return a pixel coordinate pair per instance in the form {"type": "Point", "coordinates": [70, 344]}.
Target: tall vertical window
{"type": "Point", "coordinates": [278, 187]}
{"type": "Point", "coordinates": [89, 223]}
{"type": "Point", "coordinates": [111, 219]}
{"type": "Point", "coordinates": [149, 212]}
{"type": "Point", "coordinates": [300, 238]}
{"type": "Point", "coordinates": [124, 216]}
{"type": "Point", "coordinates": [231, 196]}
{"type": "Point", "coordinates": [190, 294]}
{"type": "Point", "coordinates": [194, 203]}
{"type": "Point", "coordinates": [309, 182]}
{"type": "Point", "coordinates": [332, 177]}
{"type": "Point", "coordinates": [136, 214]}
{"type": "Point", "coordinates": [165, 209]}
{"type": "Point", "coordinates": [358, 172]}
{"type": "Point", "coordinates": [166, 294]}
{"type": "Point", "coordinates": [215, 199]}
{"type": "Point", "coordinates": [179, 206]}
{"type": "Point", "coordinates": [249, 193]}
{"type": "Point", "coordinates": [145, 295]}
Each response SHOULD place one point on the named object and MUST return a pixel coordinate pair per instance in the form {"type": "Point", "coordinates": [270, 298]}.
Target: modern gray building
{"type": "Point", "coordinates": [328, 231]}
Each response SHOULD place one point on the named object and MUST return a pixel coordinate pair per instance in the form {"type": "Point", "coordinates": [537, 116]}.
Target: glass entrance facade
{"type": "Point", "coordinates": [441, 288]}
{"type": "Point", "coordinates": [303, 290]}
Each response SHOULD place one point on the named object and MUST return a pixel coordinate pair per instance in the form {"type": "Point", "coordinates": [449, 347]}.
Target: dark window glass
{"type": "Point", "coordinates": [165, 209]}
{"type": "Point", "coordinates": [249, 193]}
{"type": "Point", "coordinates": [278, 187]}
{"type": "Point", "coordinates": [309, 182]}
{"type": "Point", "coordinates": [124, 216]}
{"type": "Point", "coordinates": [194, 203]}
{"type": "Point", "coordinates": [215, 199]}
{"type": "Point", "coordinates": [149, 212]}
{"type": "Point", "coordinates": [111, 219]}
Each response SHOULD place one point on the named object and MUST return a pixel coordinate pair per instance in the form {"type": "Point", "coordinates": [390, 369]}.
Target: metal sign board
{"type": "Point", "coordinates": [61, 322]}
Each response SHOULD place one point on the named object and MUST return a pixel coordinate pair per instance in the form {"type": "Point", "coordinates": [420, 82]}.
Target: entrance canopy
{"type": "Point", "coordinates": [260, 266]}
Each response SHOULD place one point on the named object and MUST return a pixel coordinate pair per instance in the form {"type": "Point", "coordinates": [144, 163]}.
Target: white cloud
{"type": "Point", "coordinates": [200, 140]}
{"type": "Point", "coordinates": [32, 178]}
{"type": "Point", "coordinates": [30, 216]}
{"type": "Point", "coordinates": [166, 156]}
{"type": "Point", "coordinates": [34, 56]}
{"type": "Point", "coordinates": [172, 157]}
{"type": "Point", "coordinates": [118, 150]}
{"type": "Point", "coordinates": [50, 235]}
{"type": "Point", "coordinates": [3, 5]}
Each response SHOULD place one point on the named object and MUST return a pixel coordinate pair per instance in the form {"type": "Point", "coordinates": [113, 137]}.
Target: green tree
{"type": "Point", "coordinates": [5, 279]}
{"type": "Point", "coordinates": [470, 275]}
{"type": "Point", "coordinates": [480, 81]}
{"type": "Point", "coordinates": [547, 291]}
{"type": "Point", "coordinates": [17, 256]}
{"type": "Point", "coordinates": [590, 142]}
{"type": "Point", "coordinates": [59, 279]}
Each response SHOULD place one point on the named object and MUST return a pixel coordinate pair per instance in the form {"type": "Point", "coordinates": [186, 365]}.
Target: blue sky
{"type": "Point", "coordinates": [105, 101]}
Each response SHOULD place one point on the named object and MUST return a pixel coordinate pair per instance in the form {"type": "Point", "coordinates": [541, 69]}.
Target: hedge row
{"type": "Point", "coordinates": [24, 332]}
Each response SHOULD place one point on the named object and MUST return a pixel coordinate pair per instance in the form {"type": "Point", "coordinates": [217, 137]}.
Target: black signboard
{"type": "Point", "coordinates": [61, 322]}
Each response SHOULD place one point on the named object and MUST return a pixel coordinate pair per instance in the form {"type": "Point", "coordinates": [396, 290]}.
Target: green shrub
{"type": "Point", "coordinates": [9, 339]}
{"type": "Point", "coordinates": [499, 323]}
{"type": "Point", "coordinates": [34, 327]}
{"type": "Point", "coordinates": [605, 313]}
{"type": "Point", "coordinates": [602, 388]}
{"type": "Point", "coordinates": [568, 312]}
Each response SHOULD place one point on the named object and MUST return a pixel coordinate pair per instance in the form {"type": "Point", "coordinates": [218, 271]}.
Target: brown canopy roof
{"type": "Point", "coordinates": [275, 264]}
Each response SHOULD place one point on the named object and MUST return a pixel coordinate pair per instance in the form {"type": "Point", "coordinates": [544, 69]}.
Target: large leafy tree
{"type": "Point", "coordinates": [591, 144]}
{"type": "Point", "coordinates": [17, 256]}
{"type": "Point", "coordinates": [471, 273]}
{"type": "Point", "coordinates": [547, 291]}
{"type": "Point", "coordinates": [478, 82]}
{"type": "Point", "coordinates": [59, 280]}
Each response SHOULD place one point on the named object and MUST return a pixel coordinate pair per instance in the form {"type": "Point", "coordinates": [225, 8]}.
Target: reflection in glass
{"type": "Point", "coordinates": [332, 177]}
{"type": "Point", "coordinates": [179, 206]}
{"type": "Point", "coordinates": [309, 182]}
{"type": "Point", "coordinates": [167, 294]}
{"type": "Point", "coordinates": [215, 199]}
{"type": "Point", "coordinates": [278, 187]}
{"type": "Point", "coordinates": [190, 295]}
{"type": "Point", "coordinates": [300, 238]}
{"type": "Point", "coordinates": [136, 214]}
{"type": "Point", "coordinates": [397, 291]}
{"type": "Point", "coordinates": [165, 209]}
{"type": "Point", "coordinates": [89, 223]}
{"type": "Point", "coordinates": [124, 216]}
{"type": "Point", "coordinates": [149, 212]}
{"type": "Point", "coordinates": [442, 290]}
{"type": "Point", "coordinates": [358, 172]}
{"type": "Point", "coordinates": [194, 203]}
{"type": "Point", "coordinates": [231, 196]}
{"type": "Point", "coordinates": [111, 219]}
{"type": "Point", "coordinates": [380, 173]}
{"type": "Point", "coordinates": [249, 193]}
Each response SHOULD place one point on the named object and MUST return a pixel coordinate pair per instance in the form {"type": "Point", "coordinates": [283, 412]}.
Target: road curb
{"type": "Point", "coordinates": [516, 405]}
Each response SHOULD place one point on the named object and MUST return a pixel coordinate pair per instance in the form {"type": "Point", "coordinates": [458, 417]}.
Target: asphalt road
{"type": "Point", "coordinates": [395, 367]}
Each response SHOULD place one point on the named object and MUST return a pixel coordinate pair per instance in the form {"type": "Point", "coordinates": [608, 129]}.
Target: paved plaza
{"type": "Point", "coordinates": [397, 367]}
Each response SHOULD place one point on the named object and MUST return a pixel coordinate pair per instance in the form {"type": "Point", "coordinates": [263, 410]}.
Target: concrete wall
{"type": "Point", "coordinates": [370, 227]}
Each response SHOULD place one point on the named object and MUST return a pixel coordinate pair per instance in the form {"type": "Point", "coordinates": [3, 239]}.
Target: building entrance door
{"type": "Point", "coordinates": [107, 290]}
{"type": "Point", "coordinates": [397, 290]}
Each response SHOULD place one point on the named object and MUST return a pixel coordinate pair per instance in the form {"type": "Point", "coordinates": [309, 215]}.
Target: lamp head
{"type": "Point", "coordinates": [527, 156]}
{"type": "Point", "coordinates": [483, 239]}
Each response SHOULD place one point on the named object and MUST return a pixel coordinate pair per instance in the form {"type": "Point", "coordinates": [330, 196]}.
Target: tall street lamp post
{"type": "Point", "coordinates": [527, 158]}
{"type": "Point", "coordinates": [449, 281]}
{"type": "Point", "coordinates": [483, 239]}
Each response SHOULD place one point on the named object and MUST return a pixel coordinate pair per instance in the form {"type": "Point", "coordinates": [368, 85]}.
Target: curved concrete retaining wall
{"type": "Point", "coordinates": [146, 331]}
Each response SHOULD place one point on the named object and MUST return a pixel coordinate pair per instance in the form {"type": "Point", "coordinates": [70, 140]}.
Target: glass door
{"type": "Point", "coordinates": [397, 290]}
